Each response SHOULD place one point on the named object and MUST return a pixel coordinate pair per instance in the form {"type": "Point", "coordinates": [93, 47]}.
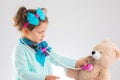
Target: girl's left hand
{"type": "Point", "coordinates": [80, 63]}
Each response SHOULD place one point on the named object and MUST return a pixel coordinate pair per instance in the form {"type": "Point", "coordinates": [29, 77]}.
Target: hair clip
{"type": "Point", "coordinates": [34, 19]}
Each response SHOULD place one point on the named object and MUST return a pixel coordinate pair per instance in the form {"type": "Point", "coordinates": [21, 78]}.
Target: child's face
{"type": "Point", "coordinates": [38, 33]}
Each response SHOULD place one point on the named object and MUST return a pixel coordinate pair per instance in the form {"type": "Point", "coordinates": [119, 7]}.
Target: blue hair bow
{"type": "Point", "coordinates": [34, 18]}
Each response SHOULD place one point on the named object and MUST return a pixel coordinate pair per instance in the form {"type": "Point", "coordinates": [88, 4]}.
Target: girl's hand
{"type": "Point", "coordinates": [80, 63]}
{"type": "Point", "coordinates": [50, 77]}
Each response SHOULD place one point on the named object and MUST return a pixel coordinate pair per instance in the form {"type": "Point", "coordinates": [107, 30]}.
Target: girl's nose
{"type": "Point", "coordinates": [43, 35]}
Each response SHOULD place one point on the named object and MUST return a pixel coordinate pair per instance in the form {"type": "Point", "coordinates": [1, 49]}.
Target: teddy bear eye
{"type": "Point", "coordinates": [93, 52]}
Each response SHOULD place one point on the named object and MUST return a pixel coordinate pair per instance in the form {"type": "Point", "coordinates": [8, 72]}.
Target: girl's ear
{"type": "Point", "coordinates": [25, 31]}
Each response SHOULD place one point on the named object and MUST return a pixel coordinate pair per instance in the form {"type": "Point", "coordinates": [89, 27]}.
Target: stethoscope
{"type": "Point", "coordinates": [64, 65]}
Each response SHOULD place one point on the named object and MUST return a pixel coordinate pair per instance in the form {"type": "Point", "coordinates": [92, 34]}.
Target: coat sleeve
{"type": "Point", "coordinates": [59, 60]}
{"type": "Point", "coordinates": [21, 67]}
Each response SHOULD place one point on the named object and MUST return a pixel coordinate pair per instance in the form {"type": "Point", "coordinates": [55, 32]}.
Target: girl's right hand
{"type": "Point", "coordinates": [50, 77]}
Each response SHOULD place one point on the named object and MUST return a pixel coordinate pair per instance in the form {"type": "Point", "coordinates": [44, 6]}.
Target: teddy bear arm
{"type": "Point", "coordinates": [72, 73]}
{"type": "Point", "coordinates": [104, 75]}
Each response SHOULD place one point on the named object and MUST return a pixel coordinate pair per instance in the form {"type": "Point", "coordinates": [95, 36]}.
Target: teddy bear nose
{"type": "Point", "coordinates": [93, 52]}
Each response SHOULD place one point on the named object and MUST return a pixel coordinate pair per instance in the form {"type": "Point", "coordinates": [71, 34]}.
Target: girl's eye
{"type": "Point", "coordinates": [39, 32]}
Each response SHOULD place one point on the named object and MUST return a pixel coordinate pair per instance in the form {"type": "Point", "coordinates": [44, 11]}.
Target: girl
{"type": "Point", "coordinates": [30, 57]}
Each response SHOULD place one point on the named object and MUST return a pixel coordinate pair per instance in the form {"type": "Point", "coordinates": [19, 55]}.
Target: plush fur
{"type": "Point", "coordinates": [103, 55]}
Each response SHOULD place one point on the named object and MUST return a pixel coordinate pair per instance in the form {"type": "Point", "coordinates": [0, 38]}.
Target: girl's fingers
{"type": "Point", "coordinates": [56, 77]}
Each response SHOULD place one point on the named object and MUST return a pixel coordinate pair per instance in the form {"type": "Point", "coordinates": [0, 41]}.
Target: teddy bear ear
{"type": "Point", "coordinates": [106, 40]}
{"type": "Point", "coordinates": [117, 53]}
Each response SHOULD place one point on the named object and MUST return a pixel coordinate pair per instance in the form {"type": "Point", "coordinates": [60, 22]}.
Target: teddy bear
{"type": "Point", "coordinates": [102, 56]}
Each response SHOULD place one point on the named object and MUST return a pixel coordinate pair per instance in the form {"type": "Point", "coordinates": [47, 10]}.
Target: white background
{"type": "Point", "coordinates": [75, 26]}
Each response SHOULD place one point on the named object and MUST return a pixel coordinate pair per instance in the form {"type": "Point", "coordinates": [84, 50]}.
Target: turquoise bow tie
{"type": "Point", "coordinates": [34, 19]}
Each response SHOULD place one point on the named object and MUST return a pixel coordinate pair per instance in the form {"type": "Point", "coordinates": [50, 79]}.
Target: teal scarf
{"type": "Point", "coordinates": [40, 49]}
